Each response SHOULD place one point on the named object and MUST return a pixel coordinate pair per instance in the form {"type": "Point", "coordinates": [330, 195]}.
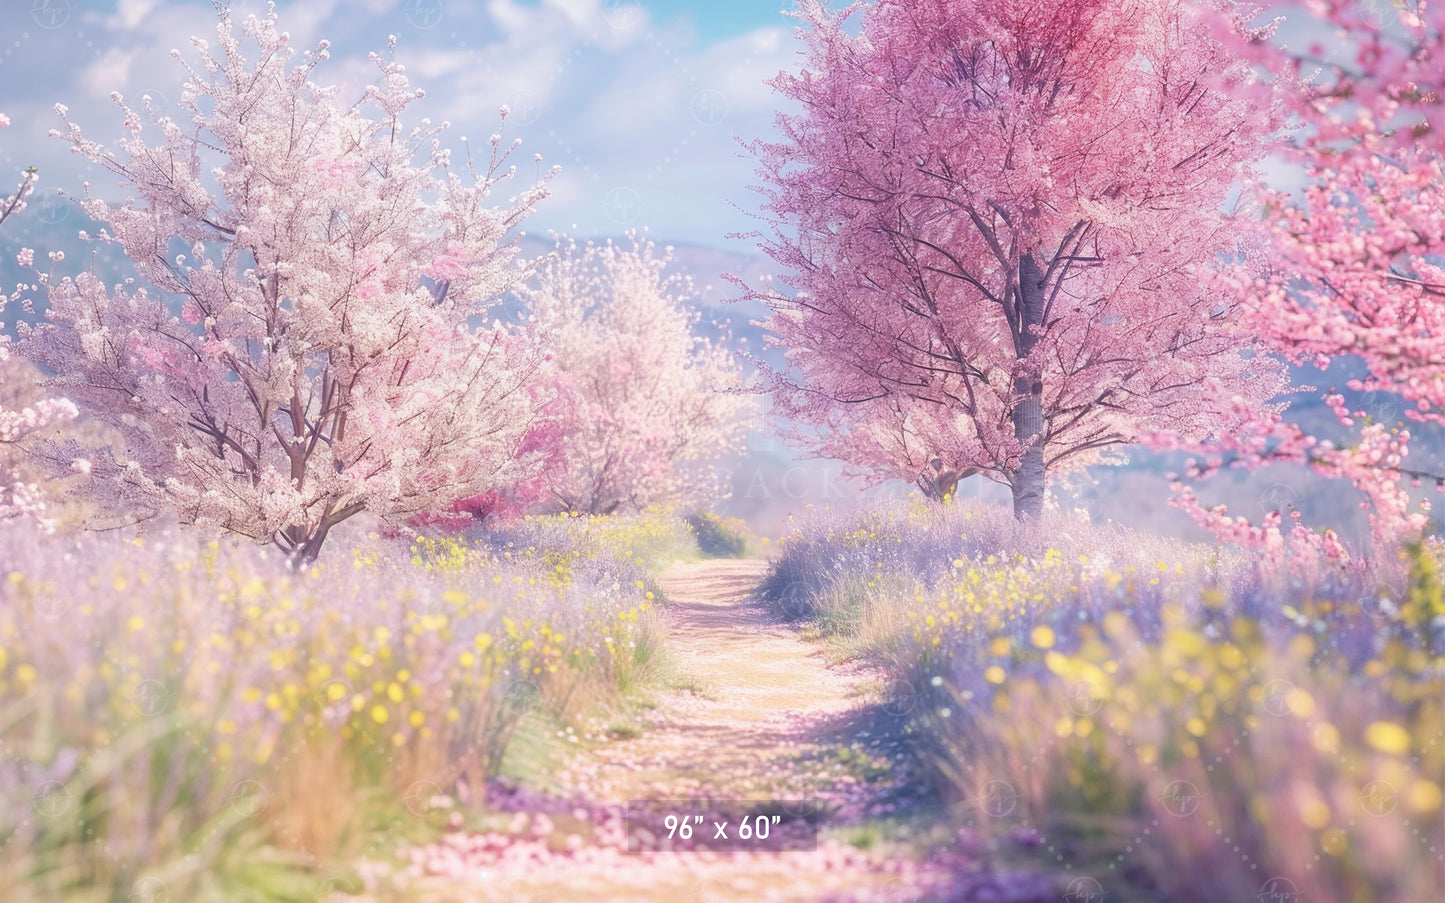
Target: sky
{"type": "Point", "coordinates": [641, 104]}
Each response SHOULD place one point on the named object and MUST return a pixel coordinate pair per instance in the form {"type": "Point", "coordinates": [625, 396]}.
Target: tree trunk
{"type": "Point", "coordinates": [939, 482]}
{"type": "Point", "coordinates": [307, 551]}
{"type": "Point", "coordinates": [303, 548]}
{"type": "Point", "coordinates": [1028, 413]}
{"type": "Point", "coordinates": [1028, 481]}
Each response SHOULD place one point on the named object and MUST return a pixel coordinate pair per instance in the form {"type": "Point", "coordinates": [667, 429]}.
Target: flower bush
{"type": "Point", "coordinates": [1149, 711]}
{"type": "Point", "coordinates": [173, 712]}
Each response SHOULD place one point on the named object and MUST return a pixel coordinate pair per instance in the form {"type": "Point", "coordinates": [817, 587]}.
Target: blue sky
{"type": "Point", "coordinates": [721, 18]}
{"type": "Point", "coordinates": [638, 102]}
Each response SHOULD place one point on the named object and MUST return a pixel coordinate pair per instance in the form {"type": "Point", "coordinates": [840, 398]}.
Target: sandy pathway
{"type": "Point", "coordinates": [772, 720]}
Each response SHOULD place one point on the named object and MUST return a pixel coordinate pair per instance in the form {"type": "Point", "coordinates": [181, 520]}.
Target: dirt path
{"type": "Point", "coordinates": [764, 717]}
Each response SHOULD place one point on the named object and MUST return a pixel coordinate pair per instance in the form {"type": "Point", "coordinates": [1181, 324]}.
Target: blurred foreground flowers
{"type": "Point", "coordinates": [195, 717]}
{"type": "Point", "coordinates": [1167, 721]}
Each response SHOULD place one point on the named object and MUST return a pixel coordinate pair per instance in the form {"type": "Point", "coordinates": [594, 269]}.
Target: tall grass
{"type": "Point", "coordinates": [193, 720]}
{"type": "Point", "coordinates": [1166, 721]}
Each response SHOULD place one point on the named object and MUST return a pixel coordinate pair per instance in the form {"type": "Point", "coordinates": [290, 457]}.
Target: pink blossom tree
{"type": "Point", "coordinates": [1353, 267]}
{"type": "Point", "coordinates": [1356, 264]}
{"type": "Point", "coordinates": [326, 269]}
{"type": "Point", "coordinates": [18, 497]}
{"type": "Point", "coordinates": [645, 406]}
{"type": "Point", "coordinates": [998, 217]}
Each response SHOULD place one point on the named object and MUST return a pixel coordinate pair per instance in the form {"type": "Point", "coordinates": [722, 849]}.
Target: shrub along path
{"type": "Point", "coordinates": [762, 716]}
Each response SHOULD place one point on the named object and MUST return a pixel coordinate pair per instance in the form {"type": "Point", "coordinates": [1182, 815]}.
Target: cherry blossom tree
{"type": "Point", "coordinates": [645, 406]}
{"type": "Point", "coordinates": [1356, 264]}
{"type": "Point", "coordinates": [18, 497]}
{"type": "Point", "coordinates": [998, 217]}
{"type": "Point", "coordinates": [299, 346]}
{"type": "Point", "coordinates": [1353, 268]}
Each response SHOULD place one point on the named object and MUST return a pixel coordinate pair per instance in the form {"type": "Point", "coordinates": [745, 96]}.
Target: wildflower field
{"type": "Point", "coordinates": [194, 716]}
{"type": "Point", "coordinates": [1159, 720]}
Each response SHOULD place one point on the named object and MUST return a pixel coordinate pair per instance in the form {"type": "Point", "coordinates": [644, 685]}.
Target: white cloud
{"type": "Point", "coordinates": [110, 71]}
{"type": "Point", "coordinates": [602, 88]}
{"type": "Point", "coordinates": [435, 65]}
{"type": "Point", "coordinates": [741, 66]}
{"type": "Point", "coordinates": [130, 13]}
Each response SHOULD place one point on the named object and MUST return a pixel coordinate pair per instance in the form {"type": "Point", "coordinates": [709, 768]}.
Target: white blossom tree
{"type": "Point", "coordinates": [301, 343]}
{"type": "Point", "coordinates": [645, 405]}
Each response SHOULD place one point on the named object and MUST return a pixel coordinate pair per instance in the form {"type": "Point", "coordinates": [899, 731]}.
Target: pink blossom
{"type": "Point", "coordinates": [451, 263]}
{"type": "Point", "coordinates": [1327, 285]}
